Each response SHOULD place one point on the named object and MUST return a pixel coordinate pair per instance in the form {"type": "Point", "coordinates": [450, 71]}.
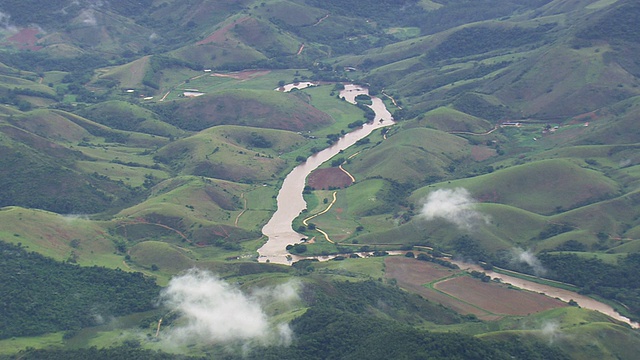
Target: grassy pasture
{"type": "Point", "coordinates": [448, 119]}
{"type": "Point", "coordinates": [60, 237]}
{"type": "Point", "coordinates": [542, 187]}
{"type": "Point", "coordinates": [52, 126]}
{"type": "Point", "coordinates": [130, 175]}
{"type": "Point", "coordinates": [129, 117]}
{"type": "Point", "coordinates": [11, 82]}
{"type": "Point", "coordinates": [417, 154]}
{"type": "Point", "coordinates": [342, 112]}
{"type": "Point", "coordinates": [403, 33]}
{"type": "Point", "coordinates": [290, 13]}
{"type": "Point", "coordinates": [168, 258]}
{"type": "Point", "coordinates": [353, 269]}
{"type": "Point", "coordinates": [14, 345]}
{"type": "Point", "coordinates": [193, 201]}
{"type": "Point", "coordinates": [129, 75]}
{"type": "Point", "coordinates": [230, 153]}
{"type": "Point", "coordinates": [248, 107]}
{"type": "Point", "coordinates": [198, 206]}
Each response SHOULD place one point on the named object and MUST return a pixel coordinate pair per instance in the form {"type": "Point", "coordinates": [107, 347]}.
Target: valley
{"type": "Point", "coordinates": [319, 179]}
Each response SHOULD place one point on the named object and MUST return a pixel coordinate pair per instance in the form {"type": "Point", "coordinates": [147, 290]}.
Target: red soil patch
{"type": "Point", "coordinates": [497, 298]}
{"type": "Point", "coordinates": [220, 34]}
{"type": "Point", "coordinates": [411, 271]}
{"type": "Point", "coordinates": [328, 178]}
{"type": "Point", "coordinates": [480, 153]}
{"type": "Point", "coordinates": [25, 39]}
{"type": "Point", "coordinates": [585, 118]}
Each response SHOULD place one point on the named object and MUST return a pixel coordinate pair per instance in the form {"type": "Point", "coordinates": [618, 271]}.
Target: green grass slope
{"type": "Point", "coordinates": [542, 187]}
{"type": "Point", "coordinates": [231, 153]}
{"type": "Point", "coordinates": [418, 154]}
{"type": "Point", "coordinates": [580, 334]}
{"type": "Point", "coordinates": [451, 120]}
{"type": "Point", "coordinates": [129, 117]}
{"type": "Point", "coordinates": [255, 108]}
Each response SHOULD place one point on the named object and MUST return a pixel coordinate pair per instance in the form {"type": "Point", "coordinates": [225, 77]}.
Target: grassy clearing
{"type": "Point", "coordinates": [194, 200]}
{"type": "Point", "coordinates": [60, 237]}
{"type": "Point", "coordinates": [358, 269]}
{"type": "Point", "coordinates": [129, 75]}
{"type": "Point", "coordinates": [13, 345]}
{"type": "Point", "coordinates": [132, 176]}
{"type": "Point", "coordinates": [228, 153]}
{"type": "Point", "coordinates": [449, 119]}
{"type": "Point", "coordinates": [404, 33]}
{"type": "Point", "coordinates": [166, 257]}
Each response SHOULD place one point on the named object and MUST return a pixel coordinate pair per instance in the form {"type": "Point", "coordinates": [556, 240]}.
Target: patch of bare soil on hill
{"type": "Point", "coordinates": [221, 34]}
{"type": "Point", "coordinates": [330, 178]}
{"type": "Point", "coordinates": [25, 39]}
{"type": "Point", "coordinates": [481, 153]}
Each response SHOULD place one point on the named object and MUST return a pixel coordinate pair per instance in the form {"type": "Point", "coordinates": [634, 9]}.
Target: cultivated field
{"type": "Point", "coordinates": [466, 295]}
{"type": "Point", "coordinates": [497, 298]}
{"type": "Point", "coordinates": [328, 178]}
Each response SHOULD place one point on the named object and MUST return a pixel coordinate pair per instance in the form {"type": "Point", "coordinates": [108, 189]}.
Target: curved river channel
{"type": "Point", "coordinates": [290, 203]}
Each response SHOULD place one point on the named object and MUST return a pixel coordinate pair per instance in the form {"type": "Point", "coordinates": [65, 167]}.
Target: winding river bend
{"type": "Point", "coordinates": [290, 202]}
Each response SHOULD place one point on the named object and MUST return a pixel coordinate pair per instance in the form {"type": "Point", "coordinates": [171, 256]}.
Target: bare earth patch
{"type": "Point", "coordinates": [26, 39]}
{"type": "Point", "coordinates": [220, 34]}
{"type": "Point", "coordinates": [466, 295]}
{"type": "Point", "coordinates": [328, 178]}
{"type": "Point", "coordinates": [497, 298]}
{"type": "Point", "coordinates": [412, 274]}
{"type": "Point", "coordinates": [480, 153]}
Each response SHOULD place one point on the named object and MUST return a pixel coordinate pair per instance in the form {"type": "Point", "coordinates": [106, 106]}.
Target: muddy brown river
{"type": "Point", "coordinates": [290, 202]}
{"type": "Point", "coordinates": [562, 294]}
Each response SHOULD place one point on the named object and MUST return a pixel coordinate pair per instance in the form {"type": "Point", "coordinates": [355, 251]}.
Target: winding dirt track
{"type": "Point", "coordinates": [305, 221]}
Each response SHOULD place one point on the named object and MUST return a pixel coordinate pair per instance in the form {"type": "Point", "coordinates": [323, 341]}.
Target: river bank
{"type": "Point", "coordinates": [562, 294]}
{"type": "Point", "coordinates": [290, 202]}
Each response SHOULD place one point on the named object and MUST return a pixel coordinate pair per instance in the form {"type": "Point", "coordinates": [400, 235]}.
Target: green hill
{"type": "Point", "coordinates": [543, 187]}
{"type": "Point", "coordinates": [419, 154]}
{"type": "Point", "coordinates": [255, 108]}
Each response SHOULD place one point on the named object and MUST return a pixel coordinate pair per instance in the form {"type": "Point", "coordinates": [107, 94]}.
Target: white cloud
{"type": "Point", "coordinates": [5, 23]}
{"type": "Point", "coordinates": [453, 205]}
{"type": "Point", "coordinates": [550, 330]}
{"type": "Point", "coordinates": [527, 257]}
{"type": "Point", "coordinates": [214, 311]}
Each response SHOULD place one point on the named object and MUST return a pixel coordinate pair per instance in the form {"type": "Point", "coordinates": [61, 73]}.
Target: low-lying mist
{"type": "Point", "coordinates": [519, 256]}
{"type": "Point", "coordinates": [214, 311]}
{"type": "Point", "coordinates": [453, 205]}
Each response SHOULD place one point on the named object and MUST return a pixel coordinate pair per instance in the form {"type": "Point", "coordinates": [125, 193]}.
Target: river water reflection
{"type": "Point", "coordinates": [290, 202]}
